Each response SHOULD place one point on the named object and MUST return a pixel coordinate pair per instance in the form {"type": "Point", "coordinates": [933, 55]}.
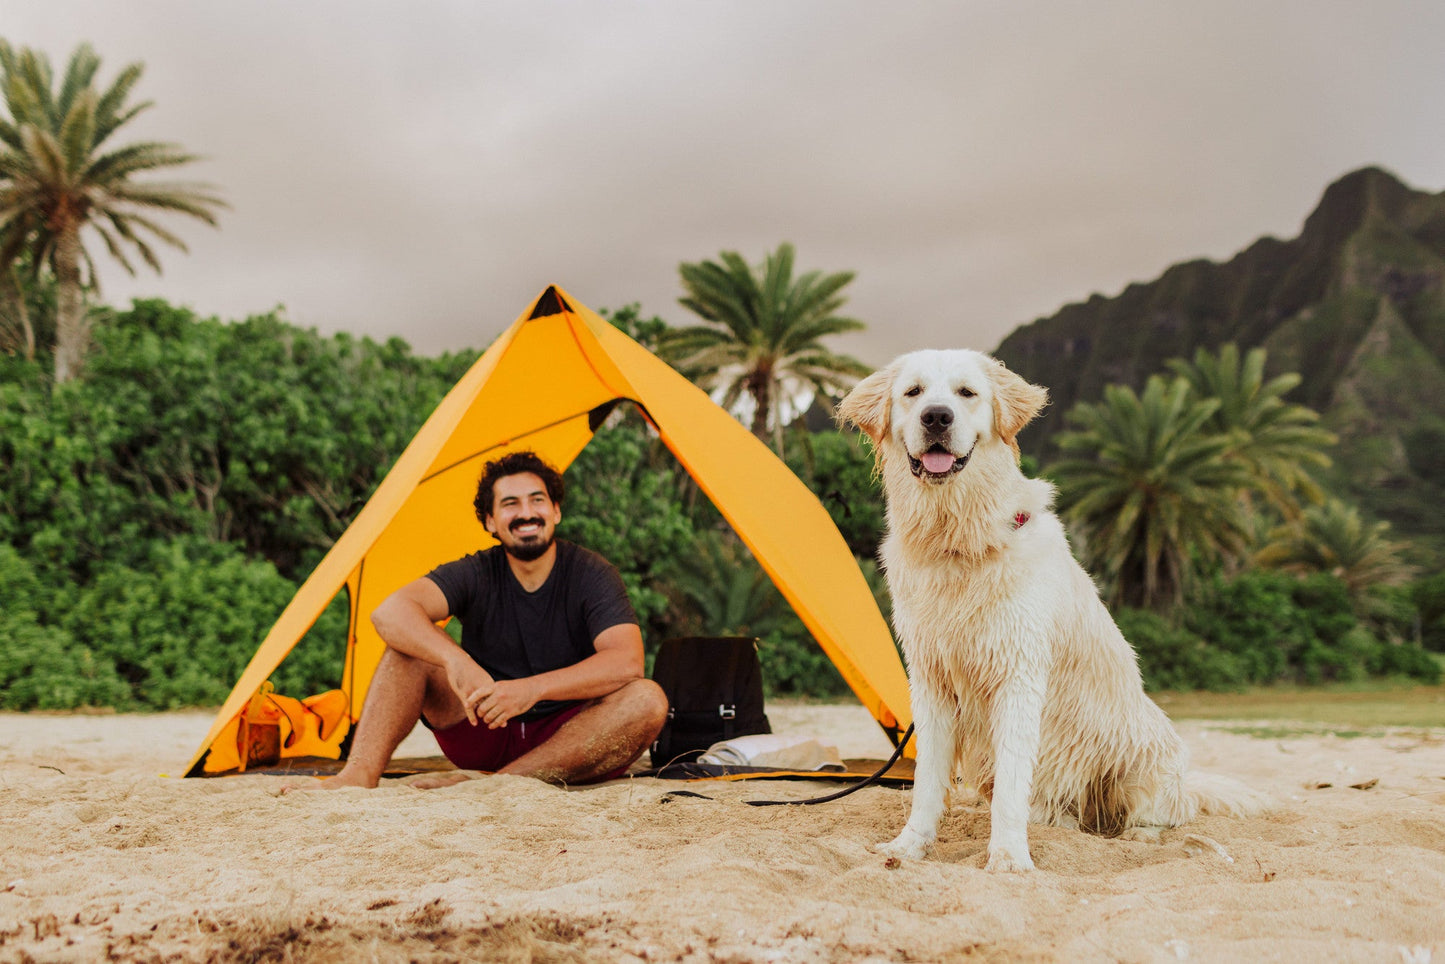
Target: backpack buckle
{"type": "Point", "coordinates": [727, 712]}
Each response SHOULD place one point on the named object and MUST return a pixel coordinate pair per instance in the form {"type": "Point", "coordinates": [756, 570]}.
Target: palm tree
{"type": "Point", "coordinates": [1333, 538]}
{"type": "Point", "coordinates": [1153, 495]}
{"type": "Point", "coordinates": [55, 182]}
{"type": "Point", "coordinates": [764, 340]}
{"type": "Point", "coordinates": [1277, 441]}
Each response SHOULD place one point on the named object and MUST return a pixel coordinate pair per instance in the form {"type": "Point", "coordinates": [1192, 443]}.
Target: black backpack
{"type": "Point", "coordinates": [714, 687]}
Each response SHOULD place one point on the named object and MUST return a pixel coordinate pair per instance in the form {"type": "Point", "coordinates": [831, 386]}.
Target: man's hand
{"type": "Point", "coordinates": [501, 700]}
{"type": "Point", "coordinates": [467, 680]}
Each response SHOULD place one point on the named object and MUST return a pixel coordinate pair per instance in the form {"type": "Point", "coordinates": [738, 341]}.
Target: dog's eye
{"type": "Point", "coordinates": [915, 390]}
{"type": "Point", "coordinates": [966, 392]}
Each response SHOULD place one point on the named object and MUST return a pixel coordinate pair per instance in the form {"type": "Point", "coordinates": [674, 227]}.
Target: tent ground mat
{"type": "Point", "coordinates": [900, 774]}
{"type": "Point", "coordinates": [318, 766]}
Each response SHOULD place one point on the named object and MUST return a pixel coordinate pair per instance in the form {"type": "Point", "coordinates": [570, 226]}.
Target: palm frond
{"type": "Point", "coordinates": [32, 83]}
{"type": "Point", "coordinates": [77, 132]}
{"type": "Point", "coordinates": [10, 135]}
{"type": "Point", "coordinates": [79, 74]}
{"type": "Point", "coordinates": [807, 332]}
{"type": "Point", "coordinates": [777, 275]}
{"type": "Point", "coordinates": [816, 295]}
{"type": "Point", "coordinates": [115, 249]}
{"type": "Point", "coordinates": [124, 228]}
{"type": "Point", "coordinates": [194, 200]}
{"type": "Point", "coordinates": [109, 115]}
{"type": "Point", "coordinates": [147, 224]}
{"type": "Point", "coordinates": [134, 158]}
{"type": "Point", "coordinates": [44, 154]}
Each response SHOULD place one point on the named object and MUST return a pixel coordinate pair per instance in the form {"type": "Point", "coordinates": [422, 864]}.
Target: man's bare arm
{"type": "Point", "coordinates": [407, 622]}
{"type": "Point", "coordinates": [617, 662]}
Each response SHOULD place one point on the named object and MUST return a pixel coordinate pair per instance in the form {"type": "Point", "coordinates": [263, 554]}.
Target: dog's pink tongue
{"type": "Point", "coordinates": [937, 462]}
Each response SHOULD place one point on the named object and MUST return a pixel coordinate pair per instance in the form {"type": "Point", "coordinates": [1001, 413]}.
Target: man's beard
{"type": "Point", "coordinates": [528, 551]}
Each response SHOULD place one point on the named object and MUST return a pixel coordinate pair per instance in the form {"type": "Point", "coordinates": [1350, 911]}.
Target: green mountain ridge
{"type": "Point", "coordinates": [1355, 304]}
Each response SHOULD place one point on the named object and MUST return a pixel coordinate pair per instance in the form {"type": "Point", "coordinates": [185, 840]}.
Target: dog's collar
{"type": "Point", "coordinates": [1020, 518]}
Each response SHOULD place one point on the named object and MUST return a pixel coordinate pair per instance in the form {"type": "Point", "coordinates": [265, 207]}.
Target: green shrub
{"type": "Point", "coordinates": [1173, 658]}
{"type": "Point", "coordinates": [1286, 628]}
{"type": "Point", "coordinates": [838, 467]}
{"type": "Point", "coordinates": [795, 665]}
{"type": "Point", "coordinates": [41, 666]}
{"type": "Point", "coordinates": [1403, 659]}
{"type": "Point", "coordinates": [180, 628]}
{"type": "Point", "coordinates": [1428, 595]}
{"type": "Point", "coordinates": [315, 664]}
{"type": "Point", "coordinates": [1254, 619]}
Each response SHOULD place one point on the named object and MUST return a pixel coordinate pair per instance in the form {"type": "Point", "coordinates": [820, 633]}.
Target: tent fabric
{"type": "Point", "coordinates": [544, 385]}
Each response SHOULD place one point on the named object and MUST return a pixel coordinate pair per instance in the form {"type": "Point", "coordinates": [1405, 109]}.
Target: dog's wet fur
{"type": "Point", "coordinates": [1021, 682]}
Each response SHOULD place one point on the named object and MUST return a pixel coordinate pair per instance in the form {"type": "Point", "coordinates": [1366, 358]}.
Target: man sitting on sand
{"type": "Point", "coordinates": [548, 679]}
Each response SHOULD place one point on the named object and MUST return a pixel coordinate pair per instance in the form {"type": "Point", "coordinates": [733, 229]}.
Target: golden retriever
{"type": "Point", "coordinates": [1019, 678]}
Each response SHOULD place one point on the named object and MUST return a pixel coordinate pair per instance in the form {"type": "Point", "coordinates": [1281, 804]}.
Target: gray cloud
{"type": "Point", "coordinates": [425, 169]}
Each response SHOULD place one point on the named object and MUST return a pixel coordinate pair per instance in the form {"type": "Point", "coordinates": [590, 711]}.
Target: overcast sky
{"type": "Point", "coordinates": [424, 169]}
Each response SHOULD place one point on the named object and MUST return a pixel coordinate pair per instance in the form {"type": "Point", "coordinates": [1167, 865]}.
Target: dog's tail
{"type": "Point", "coordinates": [1223, 796]}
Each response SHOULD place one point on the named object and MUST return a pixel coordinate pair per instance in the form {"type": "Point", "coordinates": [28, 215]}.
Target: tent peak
{"type": "Point", "coordinates": [551, 303]}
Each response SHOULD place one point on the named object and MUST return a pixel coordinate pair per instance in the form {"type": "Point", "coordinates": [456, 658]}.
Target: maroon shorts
{"type": "Point", "coordinates": [479, 748]}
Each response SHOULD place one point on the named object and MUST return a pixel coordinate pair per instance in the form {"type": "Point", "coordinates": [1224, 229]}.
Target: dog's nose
{"type": "Point", "coordinates": [936, 418]}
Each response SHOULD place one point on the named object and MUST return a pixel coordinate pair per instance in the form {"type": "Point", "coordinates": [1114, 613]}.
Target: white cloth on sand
{"type": "Point", "coordinates": [774, 750]}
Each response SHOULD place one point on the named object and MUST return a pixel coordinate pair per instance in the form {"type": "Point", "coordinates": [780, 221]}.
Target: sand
{"type": "Point", "coordinates": [106, 855]}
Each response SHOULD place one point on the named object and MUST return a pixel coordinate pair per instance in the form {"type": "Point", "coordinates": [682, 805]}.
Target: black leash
{"type": "Point", "coordinates": [865, 782]}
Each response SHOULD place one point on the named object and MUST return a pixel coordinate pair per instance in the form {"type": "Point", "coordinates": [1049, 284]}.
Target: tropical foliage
{"type": "Point", "coordinates": [1152, 495]}
{"type": "Point", "coordinates": [59, 176]}
{"type": "Point", "coordinates": [1427, 600]}
{"type": "Point", "coordinates": [1182, 479]}
{"type": "Point", "coordinates": [1277, 441]}
{"type": "Point", "coordinates": [1266, 627]}
{"type": "Point", "coordinates": [764, 341]}
{"type": "Point", "coordinates": [168, 502]}
{"type": "Point", "coordinates": [1167, 493]}
{"type": "Point", "coordinates": [1333, 538]}
{"type": "Point", "coordinates": [157, 513]}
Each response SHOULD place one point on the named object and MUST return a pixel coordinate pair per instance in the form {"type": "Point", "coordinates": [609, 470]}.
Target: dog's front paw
{"type": "Point", "coordinates": [908, 845]}
{"type": "Point", "coordinates": [1004, 861]}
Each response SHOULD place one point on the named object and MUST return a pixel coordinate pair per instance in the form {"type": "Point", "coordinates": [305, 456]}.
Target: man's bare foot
{"type": "Point", "coordinates": [435, 781]}
{"type": "Point", "coordinates": [340, 781]}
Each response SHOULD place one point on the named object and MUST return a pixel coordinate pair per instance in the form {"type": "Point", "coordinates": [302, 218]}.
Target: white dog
{"type": "Point", "coordinates": [1019, 676]}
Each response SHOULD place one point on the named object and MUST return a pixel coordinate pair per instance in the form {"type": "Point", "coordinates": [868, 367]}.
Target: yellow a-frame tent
{"type": "Point", "coordinates": [545, 385]}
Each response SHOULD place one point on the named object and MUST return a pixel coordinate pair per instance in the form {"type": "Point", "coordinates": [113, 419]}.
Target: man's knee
{"type": "Point", "coordinates": [439, 704]}
{"type": "Point", "coordinates": [645, 701]}
{"type": "Point", "coordinates": [402, 666]}
{"type": "Point", "coordinates": [397, 661]}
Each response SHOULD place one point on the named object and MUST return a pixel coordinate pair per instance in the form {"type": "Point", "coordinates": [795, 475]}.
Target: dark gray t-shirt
{"type": "Point", "coordinates": [512, 633]}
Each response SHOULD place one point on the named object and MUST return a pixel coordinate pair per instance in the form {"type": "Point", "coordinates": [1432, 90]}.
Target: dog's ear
{"type": "Point", "coordinates": [1015, 402]}
{"type": "Point", "coordinates": [869, 403]}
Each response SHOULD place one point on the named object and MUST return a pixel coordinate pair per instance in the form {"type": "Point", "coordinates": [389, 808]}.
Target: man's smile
{"type": "Point", "coordinates": [526, 527]}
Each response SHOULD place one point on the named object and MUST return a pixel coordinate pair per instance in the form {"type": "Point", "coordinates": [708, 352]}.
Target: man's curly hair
{"type": "Point", "coordinates": [515, 463]}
